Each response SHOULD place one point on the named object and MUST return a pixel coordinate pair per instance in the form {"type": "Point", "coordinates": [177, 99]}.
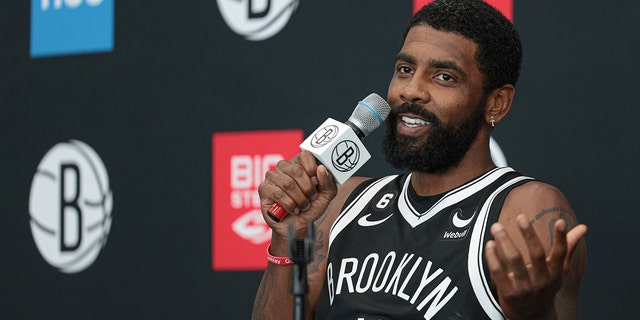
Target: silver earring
{"type": "Point", "coordinates": [493, 121]}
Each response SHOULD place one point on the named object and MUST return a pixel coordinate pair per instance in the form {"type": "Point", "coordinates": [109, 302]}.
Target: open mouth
{"type": "Point", "coordinates": [414, 122]}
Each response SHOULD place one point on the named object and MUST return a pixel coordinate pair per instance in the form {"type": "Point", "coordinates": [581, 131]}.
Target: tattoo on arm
{"type": "Point", "coordinates": [314, 265]}
{"type": "Point", "coordinates": [562, 213]}
{"type": "Point", "coordinates": [318, 256]}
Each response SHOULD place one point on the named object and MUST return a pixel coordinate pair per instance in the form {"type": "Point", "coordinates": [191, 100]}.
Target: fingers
{"type": "Point", "coordinates": [291, 184]}
{"type": "Point", "coordinates": [556, 258]}
{"type": "Point", "coordinates": [294, 184]}
{"type": "Point", "coordinates": [498, 275]}
{"type": "Point", "coordinates": [327, 187]}
{"type": "Point", "coordinates": [529, 286]}
{"type": "Point", "coordinates": [538, 267]}
{"type": "Point", "coordinates": [506, 261]}
{"type": "Point", "coordinates": [573, 237]}
{"type": "Point", "coordinates": [510, 259]}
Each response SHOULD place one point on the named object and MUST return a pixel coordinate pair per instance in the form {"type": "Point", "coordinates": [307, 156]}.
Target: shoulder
{"type": "Point", "coordinates": [542, 204]}
{"type": "Point", "coordinates": [534, 199]}
{"type": "Point", "coordinates": [539, 201]}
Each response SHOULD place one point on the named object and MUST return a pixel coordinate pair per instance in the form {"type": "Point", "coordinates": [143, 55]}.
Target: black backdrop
{"type": "Point", "coordinates": [178, 74]}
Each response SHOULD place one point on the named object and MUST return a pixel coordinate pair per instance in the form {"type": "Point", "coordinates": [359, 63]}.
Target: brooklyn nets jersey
{"type": "Point", "coordinates": [396, 255]}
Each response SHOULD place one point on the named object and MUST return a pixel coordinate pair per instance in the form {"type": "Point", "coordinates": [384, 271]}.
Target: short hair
{"type": "Point", "coordinates": [499, 51]}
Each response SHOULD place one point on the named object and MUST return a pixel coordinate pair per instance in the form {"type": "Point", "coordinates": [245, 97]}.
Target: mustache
{"type": "Point", "coordinates": [408, 107]}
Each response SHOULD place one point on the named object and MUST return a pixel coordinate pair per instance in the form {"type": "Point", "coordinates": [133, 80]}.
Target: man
{"type": "Point", "coordinates": [457, 238]}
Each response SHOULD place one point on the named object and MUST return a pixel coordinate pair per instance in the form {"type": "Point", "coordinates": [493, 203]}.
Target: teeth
{"type": "Point", "coordinates": [413, 122]}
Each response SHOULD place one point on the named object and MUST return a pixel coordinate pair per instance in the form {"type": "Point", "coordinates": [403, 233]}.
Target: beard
{"type": "Point", "coordinates": [442, 149]}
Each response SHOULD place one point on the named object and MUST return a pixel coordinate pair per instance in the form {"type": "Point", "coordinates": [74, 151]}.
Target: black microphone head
{"type": "Point", "coordinates": [370, 113]}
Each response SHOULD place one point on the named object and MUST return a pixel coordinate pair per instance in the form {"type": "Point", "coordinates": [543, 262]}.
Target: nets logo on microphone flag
{"type": "Point", "coordinates": [504, 6]}
{"type": "Point", "coordinates": [239, 162]}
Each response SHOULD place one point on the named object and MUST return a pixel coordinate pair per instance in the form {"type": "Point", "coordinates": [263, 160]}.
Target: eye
{"type": "Point", "coordinates": [404, 69]}
{"type": "Point", "coordinates": [445, 77]}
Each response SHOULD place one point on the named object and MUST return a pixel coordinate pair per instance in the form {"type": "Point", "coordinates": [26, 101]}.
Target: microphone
{"type": "Point", "coordinates": [338, 146]}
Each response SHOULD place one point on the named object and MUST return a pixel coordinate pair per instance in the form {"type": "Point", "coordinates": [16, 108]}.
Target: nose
{"type": "Point", "coordinates": [415, 91]}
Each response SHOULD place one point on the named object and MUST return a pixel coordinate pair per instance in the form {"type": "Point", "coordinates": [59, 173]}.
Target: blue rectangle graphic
{"type": "Point", "coordinates": [62, 27]}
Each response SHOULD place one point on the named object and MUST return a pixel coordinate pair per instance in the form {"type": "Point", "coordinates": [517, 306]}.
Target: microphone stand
{"type": "Point", "coordinates": [301, 253]}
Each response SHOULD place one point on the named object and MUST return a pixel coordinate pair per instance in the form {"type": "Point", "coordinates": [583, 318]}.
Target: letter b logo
{"type": "Point", "coordinates": [70, 206]}
{"type": "Point", "coordinates": [345, 156]}
{"type": "Point", "coordinates": [70, 212]}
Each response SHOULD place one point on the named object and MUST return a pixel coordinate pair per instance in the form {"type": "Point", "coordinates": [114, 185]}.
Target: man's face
{"type": "Point", "coordinates": [438, 101]}
{"type": "Point", "coordinates": [444, 148]}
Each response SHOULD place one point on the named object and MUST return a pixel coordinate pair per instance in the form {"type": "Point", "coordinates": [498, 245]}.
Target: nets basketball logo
{"type": "Point", "coordinates": [70, 205]}
{"type": "Point", "coordinates": [257, 19]}
{"type": "Point", "coordinates": [324, 136]}
{"type": "Point", "coordinates": [345, 156]}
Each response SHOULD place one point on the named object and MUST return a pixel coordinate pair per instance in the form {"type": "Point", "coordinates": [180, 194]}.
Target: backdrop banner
{"type": "Point", "coordinates": [134, 136]}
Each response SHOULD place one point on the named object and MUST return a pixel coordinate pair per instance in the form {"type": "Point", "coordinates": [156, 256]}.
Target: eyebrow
{"type": "Point", "coordinates": [406, 58]}
{"type": "Point", "coordinates": [438, 64]}
{"type": "Point", "coordinates": [446, 64]}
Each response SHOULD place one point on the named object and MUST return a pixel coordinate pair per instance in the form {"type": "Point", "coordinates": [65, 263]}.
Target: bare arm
{"type": "Point", "coordinates": [309, 193]}
{"type": "Point", "coordinates": [538, 255]}
{"type": "Point", "coordinates": [274, 299]}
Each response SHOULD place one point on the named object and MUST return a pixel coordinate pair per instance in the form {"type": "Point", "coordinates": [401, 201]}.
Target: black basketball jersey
{"type": "Point", "coordinates": [394, 256]}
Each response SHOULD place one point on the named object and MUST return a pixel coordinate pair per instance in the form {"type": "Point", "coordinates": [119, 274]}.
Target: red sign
{"type": "Point", "coordinates": [504, 6]}
{"type": "Point", "coordinates": [239, 162]}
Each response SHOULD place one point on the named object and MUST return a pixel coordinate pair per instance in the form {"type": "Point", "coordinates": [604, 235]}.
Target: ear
{"type": "Point", "coordinates": [499, 103]}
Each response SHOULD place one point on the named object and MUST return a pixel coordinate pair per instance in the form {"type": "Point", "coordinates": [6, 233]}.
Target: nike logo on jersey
{"type": "Point", "coordinates": [365, 222]}
{"type": "Point", "coordinates": [458, 221]}
{"type": "Point", "coordinates": [460, 224]}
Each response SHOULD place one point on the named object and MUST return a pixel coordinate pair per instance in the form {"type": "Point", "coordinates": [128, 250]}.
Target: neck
{"type": "Point", "coordinates": [476, 161]}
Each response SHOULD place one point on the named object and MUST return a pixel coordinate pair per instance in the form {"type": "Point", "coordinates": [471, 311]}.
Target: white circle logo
{"type": "Point", "coordinates": [257, 19]}
{"type": "Point", "coordinates": [70, 205]}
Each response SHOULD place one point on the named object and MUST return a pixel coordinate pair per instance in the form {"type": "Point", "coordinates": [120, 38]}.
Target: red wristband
{"type": "Point", "coordinates": [281, 261]}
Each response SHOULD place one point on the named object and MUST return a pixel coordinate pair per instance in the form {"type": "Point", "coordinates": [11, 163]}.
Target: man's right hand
{"type": "Point", "coordinates": [300, 186]}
